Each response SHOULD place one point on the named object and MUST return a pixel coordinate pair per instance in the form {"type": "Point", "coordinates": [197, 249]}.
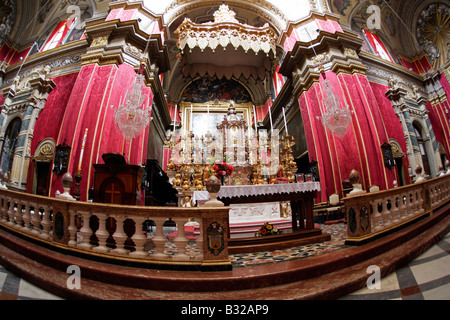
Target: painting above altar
{"type": "Point", "coordinates": [207, 89]}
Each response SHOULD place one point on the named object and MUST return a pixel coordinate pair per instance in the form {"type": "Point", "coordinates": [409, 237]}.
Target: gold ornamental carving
{"type": "Point", "coordinates": [45, 154]}
{"type": "Point", "coordinates": [100, 41]}
{"type": "Point", "coordinates": [396, 152]}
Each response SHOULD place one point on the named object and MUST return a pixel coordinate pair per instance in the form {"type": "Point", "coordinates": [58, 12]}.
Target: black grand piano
{"type": "Point", "coordinates": [158, 190]}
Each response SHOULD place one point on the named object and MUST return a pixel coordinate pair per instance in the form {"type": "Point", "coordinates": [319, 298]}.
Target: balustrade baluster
{"type": "Point", "coordinates": [181, 241]}
{"type": "Point", "coordinates": [18, 215]}
{"type": "Point", "coordinates": [138, 238]}
{"type": "Point", "coordinates": [120, 237]}
{"type": "Point", "coordinates": [394, 209]}
{"type": "Point", "coordinates": [385, 214]}
{"type": "Point", "coordinates": [72, 228]}
{"type": "Point", "coordinates": [35, 219]}
{"type": "Point", "coordinates": [26, 216]}
{"type": "Point", "coordinates": [199, 242]}
{"type": "Point", "coordinates": [85, 231]}
{"type": "Point", "coordinates": [101, 233]}
{"type": "Point", "coordinates": [418, 204]}
{"type": "Point", "coordinates": [159, 240]}
{"type": "Point", "coordinates": [4, 210]}
{"type": "Point", "coordinates": [11, 211]}
{"type": "Point", "coordinates": [376, 215]}
{"type": "Point", "coordinates": [46, 223]}
{"type": "Point", "coordinates": [401, 208]}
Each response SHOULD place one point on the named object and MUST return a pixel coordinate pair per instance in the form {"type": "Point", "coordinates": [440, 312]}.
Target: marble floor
{"type": "Point", "coordinates": [425, 278]}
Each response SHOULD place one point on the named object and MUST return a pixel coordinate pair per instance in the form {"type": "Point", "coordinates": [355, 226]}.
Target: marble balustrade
{"type": "Point", "coordinates": [372, 214]}
{"type": "Point", "coordinates": [164, 235]}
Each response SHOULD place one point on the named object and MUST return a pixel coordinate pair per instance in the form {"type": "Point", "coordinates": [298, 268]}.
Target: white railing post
{"type": "Point", "coordinates": [138, 238]}
{"type": "Point", "coordinates": [4, 209]}
{"type": "Point", "coordinates": [376, 215]}
{"type": "Point", "coordinates": [46, 223]}
{"type": "Point", "coordinates": [36, 219]}
{"type": "Point", "coordinates": [11, 211]}
{"type": "Point", "coordinates": [72, 228]}
{"type": "Point", "coordinates": [85, 231]}
{"type": "Point", "coordinates": [199, 242]}
{"type": "Point", "coordinates": [26, 217]}
{"type": "Point", "coordinates": [181, 241]}
{"type": "Point", "coordinates": [119, 236]}
{"type": "Point", "coordinates": [18, 215]}
{"type": "Point", "coordinates": [101, 233]}
{"type": "Point", "coordinates": [159, 240]}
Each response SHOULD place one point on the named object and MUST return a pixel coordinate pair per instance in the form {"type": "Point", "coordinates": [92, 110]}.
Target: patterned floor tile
{"type": "Point", "coordinates": [337, 232]}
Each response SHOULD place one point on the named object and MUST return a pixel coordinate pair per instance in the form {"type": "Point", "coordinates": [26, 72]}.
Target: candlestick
{"type": "Point", "coordinates": [285, 123]}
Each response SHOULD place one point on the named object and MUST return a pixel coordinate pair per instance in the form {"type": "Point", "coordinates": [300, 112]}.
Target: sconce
{"type": "Point", "coordinates": [61, 157]}
{"type": "Point", "coordinates": [389, 162]}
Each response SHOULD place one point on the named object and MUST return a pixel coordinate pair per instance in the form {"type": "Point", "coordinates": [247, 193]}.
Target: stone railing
{"type": "Point", "coordinates": [187, 237]}
{"type": "Point", "coordinates": [370, 215]}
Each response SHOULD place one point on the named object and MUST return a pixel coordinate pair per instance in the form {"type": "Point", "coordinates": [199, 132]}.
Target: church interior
{"type": "Point", "coordinates": [174, 149]}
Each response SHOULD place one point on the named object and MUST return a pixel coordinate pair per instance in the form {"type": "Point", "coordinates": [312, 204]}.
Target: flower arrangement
{"type": "Point", "coordinates": [267, 229]}
{"type": "Point", "coordinates": [222, 169]}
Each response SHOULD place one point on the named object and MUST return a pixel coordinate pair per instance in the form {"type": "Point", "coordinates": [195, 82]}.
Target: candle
{"type": "Point", "coordinates": [191, 116]}
{"type": "Point", "coordinates": [270, 115]}
{"type": "Point", "coordinates": [175, 116]}
{"type": "Point", "coordinates": [256, 125]}
{"type": "Point", "coordinates": [285, 123]}
{"type": "Point", "coordinates": [82, 149]}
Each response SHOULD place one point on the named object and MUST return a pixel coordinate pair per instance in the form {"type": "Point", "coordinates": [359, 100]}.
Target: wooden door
{"type": "Point", "coordinates": [42, 178]}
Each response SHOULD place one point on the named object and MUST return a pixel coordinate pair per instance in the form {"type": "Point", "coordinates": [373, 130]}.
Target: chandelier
{"type": "Point", "coordinates": [336, 119]}
{"type": "Point", "coordinates": [133, 115]}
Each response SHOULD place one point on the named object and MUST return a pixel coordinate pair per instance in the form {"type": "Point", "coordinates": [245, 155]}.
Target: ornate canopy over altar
{"type": "Point", "coordinates": [225, 47]}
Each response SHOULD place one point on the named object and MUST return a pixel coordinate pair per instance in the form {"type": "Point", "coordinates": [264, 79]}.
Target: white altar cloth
{"type": "Point", "coordinates": [265, 189]}
{"type": "Point", "coordinates": [200, 197]}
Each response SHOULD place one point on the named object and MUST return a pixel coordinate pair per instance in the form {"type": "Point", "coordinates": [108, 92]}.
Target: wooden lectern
{"type": "Point", "coordinates": [116, 181]}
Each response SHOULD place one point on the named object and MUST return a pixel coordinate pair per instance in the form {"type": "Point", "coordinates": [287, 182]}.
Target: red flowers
{"type": "Point", "coordinates": [223, 169]}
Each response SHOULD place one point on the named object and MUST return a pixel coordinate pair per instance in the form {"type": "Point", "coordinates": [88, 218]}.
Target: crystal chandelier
{"type": "Point", "coordinates": [336, 119]}
{"type": "Point", "coordinates": [133, 115]}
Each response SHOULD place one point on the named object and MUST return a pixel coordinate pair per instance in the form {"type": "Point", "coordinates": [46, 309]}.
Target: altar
{"type": "Point", "coordinates": [288, 207]}
{"type": "Point", "coordinates": [259, 181]}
